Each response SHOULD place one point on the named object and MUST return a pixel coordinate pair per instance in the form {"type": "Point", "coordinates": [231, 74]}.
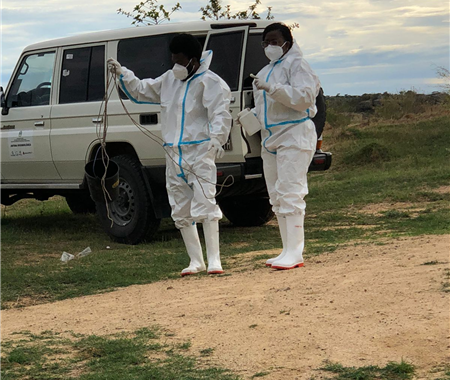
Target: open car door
{"type": "Point", "coordinates": [228, 47]}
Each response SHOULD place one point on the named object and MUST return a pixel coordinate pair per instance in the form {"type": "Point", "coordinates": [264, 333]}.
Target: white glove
{"type": "Point", "coordinates": [262, 85]}
{"type": "Point", "coordinates": [114, 66]}
{"type": "Point", "coordinates": [215, 145]}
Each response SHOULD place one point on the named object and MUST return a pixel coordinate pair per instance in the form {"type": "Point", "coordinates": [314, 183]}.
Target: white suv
{"type": "Point", "coordinates": [51, 108]}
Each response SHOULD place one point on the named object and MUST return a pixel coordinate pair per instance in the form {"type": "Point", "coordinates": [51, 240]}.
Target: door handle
{"type": "Point", "coordinates": [97, 120]}
{"type": "Point", "coordinates": [233, 99]}
{"type": "Point", "coordinates": [39, 123]}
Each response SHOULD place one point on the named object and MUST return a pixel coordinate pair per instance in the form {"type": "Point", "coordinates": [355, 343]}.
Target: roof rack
{"type": "Point", "coordinates": [233, 25]}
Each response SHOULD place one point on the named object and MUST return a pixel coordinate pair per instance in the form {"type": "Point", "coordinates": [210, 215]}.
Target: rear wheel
{"type": "Point", "coordinates": [130, 219]}
{"type": "Point", "coordinates": [247, 211]}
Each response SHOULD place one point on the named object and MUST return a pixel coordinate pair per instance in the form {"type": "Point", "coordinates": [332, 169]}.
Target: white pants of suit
{"type": "Point", "coordinates": [191, 188]}
{"type": "Point", "coordinates": [286, 178]}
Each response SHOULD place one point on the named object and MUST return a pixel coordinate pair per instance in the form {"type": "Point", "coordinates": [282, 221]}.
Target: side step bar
{"type": "Point", "coordinates": [41, 186]}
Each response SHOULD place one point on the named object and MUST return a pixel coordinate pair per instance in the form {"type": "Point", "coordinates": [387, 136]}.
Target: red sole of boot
{"type": "Point", "coordinates": [268, 265]}
{"type": "Point", "coordinates": [285, 268]}
{"type": "Point", "coordinates": [188, 274]}
{"type": "Point", "coordinates": [216, 272]}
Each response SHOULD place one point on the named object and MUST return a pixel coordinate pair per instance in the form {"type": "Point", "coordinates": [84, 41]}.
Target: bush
{"type": "Point", "coordinates": [368, 154]}
{"type": "Point", "coordinates": [398, 105]}
{"type": "Point", "coordinates": [337, 120]}
{"type": "Point", "coordinates": [386, 106]}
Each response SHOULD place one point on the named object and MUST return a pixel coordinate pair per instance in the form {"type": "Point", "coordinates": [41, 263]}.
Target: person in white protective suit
{"type": "Point", "coordinates": [196, 123]}
{"type": "Point", "coordinates": [285, 91]}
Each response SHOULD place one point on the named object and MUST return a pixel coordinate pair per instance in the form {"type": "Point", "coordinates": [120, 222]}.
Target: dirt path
{"type": "Point", "coordinates": [358, 306]}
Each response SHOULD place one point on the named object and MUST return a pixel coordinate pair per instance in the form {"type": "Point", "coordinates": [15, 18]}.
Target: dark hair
{"type": "Point", "coordinates": [186, 44]}
{"type": "Point", "coordinates": [285, 31]}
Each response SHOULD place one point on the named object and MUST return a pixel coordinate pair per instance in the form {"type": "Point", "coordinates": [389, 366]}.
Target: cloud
{"type": "Point", "coordinates": [356, 45]}
{"type": "Point", "coordinates": [431, 21]}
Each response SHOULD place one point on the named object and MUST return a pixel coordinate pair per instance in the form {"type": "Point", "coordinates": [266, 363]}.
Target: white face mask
{"type": "Point", "coordinates": [274, 52]}
{"type": "Point", "coordinates": [180, 72]}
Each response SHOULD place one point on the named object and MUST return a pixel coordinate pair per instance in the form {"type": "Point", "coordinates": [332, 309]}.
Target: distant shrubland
{"type": "Point", "coordinates": [372, 129]}
{"type": "Point", "coordinates": [344, 110]}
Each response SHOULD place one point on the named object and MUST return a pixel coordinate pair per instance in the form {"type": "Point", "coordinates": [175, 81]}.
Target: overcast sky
{"type": "Point", "coordinates": [355, 46]}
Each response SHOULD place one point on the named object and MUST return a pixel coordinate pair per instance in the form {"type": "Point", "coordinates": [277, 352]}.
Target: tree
{"type": "Point", "coordinates": [149, 12]}
{"type": "Point", "coordinates": [444, 75]}
{"type": "Point", "coordinates": [213, 10]}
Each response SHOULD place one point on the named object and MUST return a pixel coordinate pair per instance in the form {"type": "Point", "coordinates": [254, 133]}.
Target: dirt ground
{"type": "Point", "coordinates": [363, 305]}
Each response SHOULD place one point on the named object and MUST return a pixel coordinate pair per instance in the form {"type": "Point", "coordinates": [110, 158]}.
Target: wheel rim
{"type": "Point", "coordinates": [123, 208]}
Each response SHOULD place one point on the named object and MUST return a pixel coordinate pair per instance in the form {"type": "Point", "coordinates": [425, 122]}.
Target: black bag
{"type": "Point", "coordinates": [321, 115]}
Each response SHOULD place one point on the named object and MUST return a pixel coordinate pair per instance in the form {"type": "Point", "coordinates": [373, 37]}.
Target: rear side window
{"type": "Point", "coordinates": [227, 55]}
{"type": "Point", "coordinates": [147, 57]}
{"type": "Point", "coordinates": [33, 81]}
{"type": "Point", "coordinates": [83, 75]}
{"type": "Point", "coordinates": [255, 59]}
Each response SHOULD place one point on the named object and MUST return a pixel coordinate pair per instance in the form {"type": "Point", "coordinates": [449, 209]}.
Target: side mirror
{"type": "Point", "coordinates": [2, 97]}
{"type": "Point", "coordinates": [3, 102]}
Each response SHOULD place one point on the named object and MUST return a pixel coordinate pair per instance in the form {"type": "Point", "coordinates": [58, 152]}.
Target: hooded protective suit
{"type": "Point", "coordinates": [285, 94]}
{"type": "Point", "coordinates": [193, 112]}
{"type": "Point", "coordinates": [288, 135]}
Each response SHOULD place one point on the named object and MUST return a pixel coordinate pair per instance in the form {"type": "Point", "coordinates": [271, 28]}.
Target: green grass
{"type": "Point", "coordinates": [408, 162]}
{"type": "Point", "coordinates": [392, 371]}
{"type": "Point", "coordinates": [144, 354]}
{"type": "Point", "coordinates": [433, 262]}
{"type": "Point", "coordinates": [207, 352]}
{"type": "Point", "coordinates": [260, 374]}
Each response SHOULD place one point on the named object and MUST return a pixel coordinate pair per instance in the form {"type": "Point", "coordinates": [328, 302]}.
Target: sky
{"type": "Point", "coordinates": [355, 46]}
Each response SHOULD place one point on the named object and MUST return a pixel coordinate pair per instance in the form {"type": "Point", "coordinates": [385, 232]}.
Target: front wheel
{"type": "Point", "coordinates": [247, 211]}
{"type": "Point", "coordinates": [130, 219]}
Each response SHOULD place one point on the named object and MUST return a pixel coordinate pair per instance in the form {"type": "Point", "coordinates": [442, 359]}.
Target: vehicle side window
{"type": "Point", "coordinates": [82, 75]}
{"type": "Point", "coordinates": [227, 54]}
{"type": "Point", "coordinates": [147, 57]}
{"type": "Point", "coordinates": [33, 82]}
{"type": "Point", "coordinates": [255, 59]}
{"type": "Point", "coordinates": [202, 40]}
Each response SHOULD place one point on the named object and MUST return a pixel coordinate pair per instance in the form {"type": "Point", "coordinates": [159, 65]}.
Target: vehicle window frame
{"type": "Point", "coordinates": [12, 86]}
{"type": "Point", "coordinates": [226, 33]}
{"type": "Point", "coordinates": [254, 69]}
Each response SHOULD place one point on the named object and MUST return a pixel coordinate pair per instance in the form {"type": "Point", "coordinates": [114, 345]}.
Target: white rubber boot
{"type": "Point", "coordinates": [211, 231]}
{"type": "Point", "coordinates": [194, 250]}
{"type": "Point", "coordinates": [282, 226]}
{"type": "Point", "coordinates": [295, 234]}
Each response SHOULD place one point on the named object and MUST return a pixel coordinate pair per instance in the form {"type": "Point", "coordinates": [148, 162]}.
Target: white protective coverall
{"type": "Point", "coordinates": [288, 135]}
{"type": "Point", "coordinates": [288, 144]}
{"type": "Point", "coordinates": [192, 113]}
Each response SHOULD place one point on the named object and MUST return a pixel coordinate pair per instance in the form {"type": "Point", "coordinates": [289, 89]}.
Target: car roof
{"type": "Point", "coordinates": [195, 27]}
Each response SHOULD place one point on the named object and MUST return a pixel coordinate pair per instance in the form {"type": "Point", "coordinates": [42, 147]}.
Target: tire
{"type": "Point", "coordinates": [81, 203]}
{"type": "Point", "coordinates": [132, 212]}
{"type": "Point", "coordinates": [247, 211]}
